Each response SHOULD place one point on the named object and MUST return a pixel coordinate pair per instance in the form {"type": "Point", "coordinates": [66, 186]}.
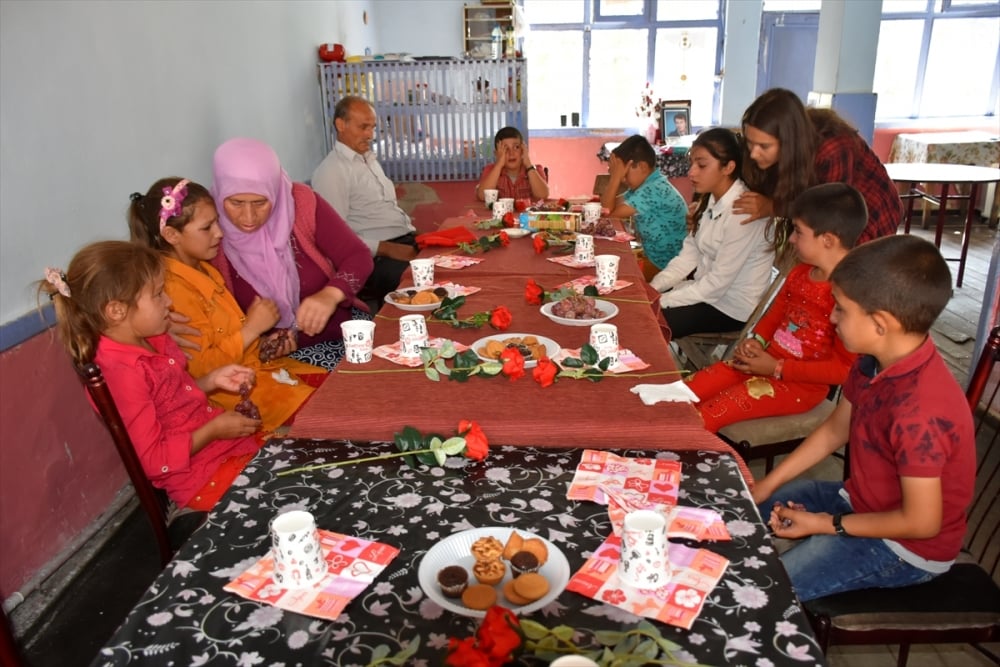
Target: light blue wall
{"type": "Point", "coordinates": [99, 99]}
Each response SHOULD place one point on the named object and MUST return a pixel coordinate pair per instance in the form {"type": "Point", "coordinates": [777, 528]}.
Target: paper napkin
{"type": "Point", "coordinates": [678, 602]}
{"type": "Point", "coordinates": [394, 352]}
{"type": "Point", "coordinates": [455, 261]}
{"type": "Point", "coordinates": [570, 261]}
{"type": "Point", "coordinates": [582, 282]}
{"type": "Point", "coordinates": [627, 361]}
{"type": "Point", "coordinates": [353, 564]}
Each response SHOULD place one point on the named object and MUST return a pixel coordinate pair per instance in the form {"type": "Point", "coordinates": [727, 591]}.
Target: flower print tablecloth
{"type": "Point", "coordinates": [186, 618]}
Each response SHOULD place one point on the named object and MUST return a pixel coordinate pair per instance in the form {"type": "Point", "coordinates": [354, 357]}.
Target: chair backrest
{"type": "Point", "coordinates": [982, 539]}
{"type": "Point", "coordinates": [153, 500]}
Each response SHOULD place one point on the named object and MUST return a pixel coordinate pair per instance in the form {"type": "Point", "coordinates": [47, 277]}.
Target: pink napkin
{"type": "Point", "coordinates": [394, 352]}
{"type": "Point", "coordinates": [695, 573]}
{"type": "Point", "coordinates": [582, 282]}
{"type": "Point", "coordinates": [627, 361]}
{"type": "Point", "coordinates": [354, 563]}
{"type": "Point", "coordinates": [455, 261]}
{"type": "Point", "coordinates": [570, 261]}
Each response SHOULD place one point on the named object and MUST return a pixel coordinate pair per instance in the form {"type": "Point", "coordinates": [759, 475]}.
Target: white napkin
{"type": "Point", "coordinates": [284, 377]}
{"type": "Point", "coordinates": [674, 392]}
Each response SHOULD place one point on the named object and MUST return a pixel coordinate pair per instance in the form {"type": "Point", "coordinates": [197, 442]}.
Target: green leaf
{"type": "Point", "coordinates": [588, 354]}
{"type": "Point", "coordinates": [432, 374]}
{"type": "Point", "coordinates": [572, 362]}
{"type": "Point", "coordinates": [533, 629]}
{"type": "Point", "coordinates": [591, 290]}
{"type": "Point", "coordinates": [606, 637]}
{"type": "Point", "coordinates": [452, 446]}
{"type": "Point", "coordinates": [427, 458]}
{"type": "Point", "coordinates": [563, 632]}
{"type": "Point", "coordinates": [441, 367]}
{"type": "Point", "coordinates": [409, 439]}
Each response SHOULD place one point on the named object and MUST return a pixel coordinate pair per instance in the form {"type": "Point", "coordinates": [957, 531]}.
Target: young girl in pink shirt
{"type": "Point", "coordinates": [111, 309]}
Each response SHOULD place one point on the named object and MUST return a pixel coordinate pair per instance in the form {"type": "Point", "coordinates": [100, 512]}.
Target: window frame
{"type": "Point", "coordinates": [594, 20]}
{"type": "Point", "coordinates": [929, 16]}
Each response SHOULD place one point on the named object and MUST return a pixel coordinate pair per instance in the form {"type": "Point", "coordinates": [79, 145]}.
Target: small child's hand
{"type": "Point", "coordinates": [231, 424]}
{"type": "Point", "coordinates": [228, 378]}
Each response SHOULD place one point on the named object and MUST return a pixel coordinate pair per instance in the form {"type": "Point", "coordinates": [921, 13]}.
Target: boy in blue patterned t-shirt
{"type": "Point", "coordinates": [660, 211]}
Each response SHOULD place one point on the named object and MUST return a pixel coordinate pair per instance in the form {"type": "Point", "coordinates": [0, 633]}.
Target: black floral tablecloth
{"type": "Point", "coordinates": [186, 618]}
{"type": "Point", "coordinates": [671, 160]}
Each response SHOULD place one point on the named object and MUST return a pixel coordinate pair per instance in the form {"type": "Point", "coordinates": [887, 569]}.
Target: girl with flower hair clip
{"type": "Point", "coordinates": [178, 218]}
{"type": "Point", "coordinates": [111, 309]}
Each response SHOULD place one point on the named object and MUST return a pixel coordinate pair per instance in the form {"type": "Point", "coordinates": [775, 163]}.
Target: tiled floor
{"type": "Point", "coordinates": [84, 616]}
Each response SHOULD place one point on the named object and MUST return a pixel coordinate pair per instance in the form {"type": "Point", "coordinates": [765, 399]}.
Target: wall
{"type": "Point", "coordinates": [98, 99]}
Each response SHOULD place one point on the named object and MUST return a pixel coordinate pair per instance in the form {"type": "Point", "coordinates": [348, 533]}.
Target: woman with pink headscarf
{"type": "Point", "coordinates": [282, 241]}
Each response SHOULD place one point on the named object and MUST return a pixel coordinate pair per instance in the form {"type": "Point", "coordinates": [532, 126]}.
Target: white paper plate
{"type": "Point", "coordinates": [551, 347]}
{"type": "Point", "coordinates": [516, 232]}
{"type": "Point", "coordinates": [454, 550]}
{"type": "Point", "coordinates": [609, 309]}
{"type": "Point", "coordinates": [419, 308]}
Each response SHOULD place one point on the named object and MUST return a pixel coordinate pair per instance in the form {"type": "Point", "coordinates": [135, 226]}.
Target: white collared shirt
{"type": "Point", "coordinates": [358, 189]}
{"type": "Point", "coordinates": [732, 262]}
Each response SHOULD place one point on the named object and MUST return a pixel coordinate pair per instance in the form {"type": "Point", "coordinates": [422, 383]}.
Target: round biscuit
{"type": "Point", "coordinates": [531, 586]}
{"type": "Point", "coordinates": [512, 596]}
{"type": "Point", "coordinates": [479, 596]}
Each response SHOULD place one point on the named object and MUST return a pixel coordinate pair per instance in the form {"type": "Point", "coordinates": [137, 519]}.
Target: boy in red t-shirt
{"type": "Point", "coordinates": [900, 517]}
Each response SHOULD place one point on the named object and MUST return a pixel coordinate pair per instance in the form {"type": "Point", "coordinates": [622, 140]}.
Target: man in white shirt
{"type": "Point", "coordinates": [352, 181]}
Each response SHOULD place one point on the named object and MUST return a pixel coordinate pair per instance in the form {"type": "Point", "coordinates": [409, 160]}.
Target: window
{"type": "Point", "coordinates": [676, 45]}
{"type": "Point", "coordinates": [937, 58]}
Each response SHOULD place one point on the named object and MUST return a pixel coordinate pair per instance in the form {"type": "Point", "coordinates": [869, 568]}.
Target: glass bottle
{"type": "Point", "coordinates": [497, 36]}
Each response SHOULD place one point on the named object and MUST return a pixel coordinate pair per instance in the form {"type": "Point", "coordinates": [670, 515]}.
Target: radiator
{"type": "Point", "coordinates": [435, 118]}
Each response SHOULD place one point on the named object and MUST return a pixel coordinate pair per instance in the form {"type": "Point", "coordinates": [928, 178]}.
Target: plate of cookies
{"type": "Point", "coordinates": [532, 347]}
{"type": "Point", "coordinates": [418, 299]}
{"type": "Point", "coordinates": [469, 572]}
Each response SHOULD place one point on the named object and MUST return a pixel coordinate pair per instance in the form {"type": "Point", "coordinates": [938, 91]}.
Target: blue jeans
{"type": "Point", "coordinates": [821, 565]}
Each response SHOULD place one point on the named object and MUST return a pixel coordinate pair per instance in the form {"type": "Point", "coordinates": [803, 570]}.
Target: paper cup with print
{"type": "Point", "coordinates": [295, 546]}
{"type": "Point", "coordinates": [490, 197]}
{"type": "Point", "coordinates": [644, 559]}
{"type": "Point", "coordinates": [412, 335]}
{"type": "Point", "coordinates": [359, 338]}
{"type": "Point", "coordinates": [423, 272]}
{"type": "Point", "coordinates": [606, 267]}
{"type": "Point", "coordinates": [592, 212]}
{"type": "Point", "coordinates": [604, 340]}
{"type": "Point", "coordinates": [502, 207]}
{"type": "Point", "coordinates": [584, 251]}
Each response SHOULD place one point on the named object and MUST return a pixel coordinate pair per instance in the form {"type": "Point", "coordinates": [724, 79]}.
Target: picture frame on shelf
{"type": "Point", "coordinates": [675, 118]}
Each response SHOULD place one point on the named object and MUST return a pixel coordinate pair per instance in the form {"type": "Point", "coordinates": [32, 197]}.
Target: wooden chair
{"type": "Point", "coordinates": [154, 502]}
{"type": "Point", "coordinates": [962, 605]}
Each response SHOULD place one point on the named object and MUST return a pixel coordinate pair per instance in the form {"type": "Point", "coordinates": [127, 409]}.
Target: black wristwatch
{"type": "Point", "coordinates": [838, 526]}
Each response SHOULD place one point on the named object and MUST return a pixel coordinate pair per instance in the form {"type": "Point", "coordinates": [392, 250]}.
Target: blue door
{"type": "Point", "coordinates": [787, 51]}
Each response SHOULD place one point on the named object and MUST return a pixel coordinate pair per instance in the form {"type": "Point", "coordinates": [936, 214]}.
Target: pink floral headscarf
{"type": "Point", "coordinates": [264, 258]}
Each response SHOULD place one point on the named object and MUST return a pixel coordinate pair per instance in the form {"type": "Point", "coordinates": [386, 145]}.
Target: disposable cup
{"type": "Point", "coordinates": [412, 335]}
{"type": "Point", "coordinates": [295, 546]}
{"type": "Point", "coordinates": [604, 340]}
{"type": "Point", "coordinates": [645, 562]}
{"type": "Point", "coordinates": [592, 211]}
{"type": "Point", "coordinates": [359, 339]}
{"type": "Point", "coordinates": [606, 267]}
{"type": "Point", "coordinates": [490, 197]}
{"type": "Point", "coordinates": [423, 272]}
{"type": "Point", "coordinates": [584, 250]}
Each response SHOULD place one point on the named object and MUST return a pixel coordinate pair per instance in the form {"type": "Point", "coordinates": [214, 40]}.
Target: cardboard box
{"type": "Point", "coordinates": [554, 220]}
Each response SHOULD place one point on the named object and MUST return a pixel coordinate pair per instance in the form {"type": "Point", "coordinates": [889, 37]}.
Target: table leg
{"type": "Point", "coordinates": [911, 190]}
{"type": "Point", "coordinates": [942, 210]}
{"type": "Point", "coordinates": [967, 232]}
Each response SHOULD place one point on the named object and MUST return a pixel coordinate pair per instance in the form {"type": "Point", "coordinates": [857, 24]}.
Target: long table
{"type": "Point", "coordinates": [372, 401]}
{"type": "Point", "coordinates": [186, 618]}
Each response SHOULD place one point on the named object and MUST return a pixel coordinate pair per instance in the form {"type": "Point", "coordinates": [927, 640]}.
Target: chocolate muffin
{"type": "Point", "coordinates": [453, 580]}
{"type": "Point", "coordinates": [523, 562]}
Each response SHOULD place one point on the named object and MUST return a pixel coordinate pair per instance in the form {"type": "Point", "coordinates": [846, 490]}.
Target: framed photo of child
{"type": "Point", "coordinates": [675, 118]}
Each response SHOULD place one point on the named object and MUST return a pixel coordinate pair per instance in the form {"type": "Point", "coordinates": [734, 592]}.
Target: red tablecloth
{"type": "Point", "coordinates": [375, 400]}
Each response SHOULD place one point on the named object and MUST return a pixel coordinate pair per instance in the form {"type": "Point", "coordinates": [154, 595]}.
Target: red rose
{"type": "Point", "coordinates": [545, 372]}
{"type": "Point", "coordinates": [513, 363]}
{"type": "Point", "coordinates": [539, 243]}
{"type": "Point", "coordinates": [498, 635]}
{"type": "Point", "coordinates": [464, 653]}
{"type": "Point", "coordinates": [508, 220]}
{"type": "Point", "coordinates": [476, 444]}
{"type": "Point", "coordinates": [521, 204]}
{"type": "Point", "coordinates": [500, 318]}
{"type": "Point", "coordinates": [533, 294]}
{"type": "Point", "coordinates": [504, 239]}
